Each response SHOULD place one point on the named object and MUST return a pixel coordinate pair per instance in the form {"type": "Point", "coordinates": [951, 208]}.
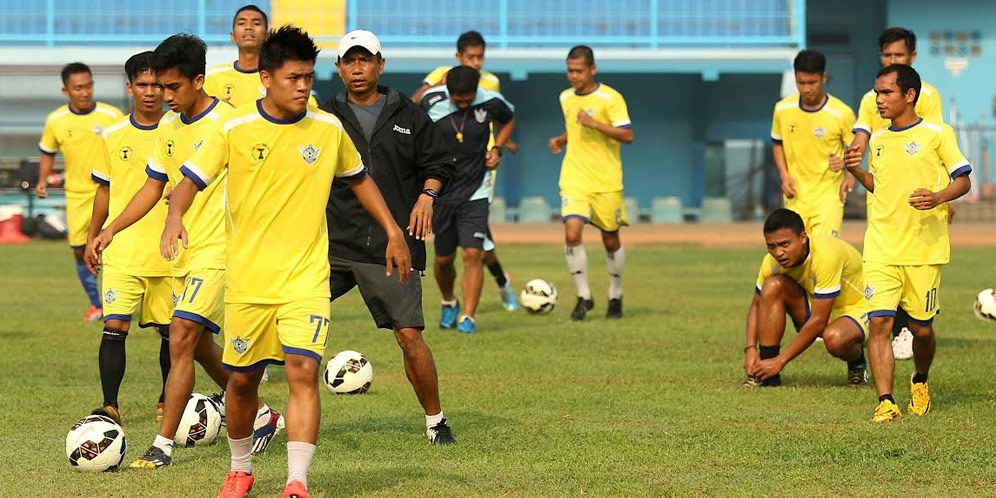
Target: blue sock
{"type": "Point", "coordinates": [89, 281]}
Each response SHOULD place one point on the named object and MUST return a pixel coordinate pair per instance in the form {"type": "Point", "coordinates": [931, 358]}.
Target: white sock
{"type": "Point", "coordinates": [241, 454]}
{"type": "Point", "coordinates": [262, 417]}
{"type": "Point", "coordinates": [450, 303]}
{"type": "Point", "coordinates": [165, 444]}
{"type": "Point", "coordinates": [432, 420]}
{"type": "Point", "coordinates": [577, 264]}
{"type": "Point", "coordinates": [615, 261]}
{"type": "Point", "coordinates": [299, 456]}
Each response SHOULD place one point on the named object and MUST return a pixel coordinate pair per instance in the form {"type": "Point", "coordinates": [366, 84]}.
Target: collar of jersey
{"type": "Point", "coordinates": [826, 98]}
{"type": "Point", "coordinates": [203, 113]}
{"type": "Point", "coordinates": [906, 127]}
{"type": "Point", "coordinates": [84, 113]}
{"type": "Point", "coordinates": [295, 119]}
{"type": "Point", "coordinates": [131, 117]}
{"type": "Point", "coordinates": [235, 65]}
{"type": "Point", "coordinates": [598, 84]}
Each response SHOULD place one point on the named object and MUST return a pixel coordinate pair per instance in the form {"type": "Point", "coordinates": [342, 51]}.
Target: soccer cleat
{"type": "Point", "coordinates": [219, 401]}
{"type": "Point", "coordinates": [160, 409]}
{"type": "Point", "coordinates": [615, 308]}
{"type": "Point", "coordinates": [753, 381]}
{"type": "Point", "coordinates": [886, 411]}
{"type": "Point", "coordinates": [153, 458]}
{"type": "Point", "coordinates": [263, 435]}
{"type": "Point", "coordinates": [93, 314]}
{"type": "Point", "coordinates": [467, 325]}
{"type": "Point", "coordinates": [266, 374]}
{"type": "Point", "coordinates": [440, 433]}
{"type": "Point", "coordinates": [295, 489]}
{"type": "Point", "coordinates": [507, 294]}
{"type": "Point", "coordinates": [857, 376]}
{"type": "Point", "coordinates": [582, 307]}
{"type": "Point", "coordinates": [919, 398]}
{"type": "Point", "coordinates": [237, 484]}
{"type": "Point", "coordinates": [110, 411]}
{"type": "Point", "coordinates": [448, 317]}
{"type": "Point", "coordinates": [902, 345]}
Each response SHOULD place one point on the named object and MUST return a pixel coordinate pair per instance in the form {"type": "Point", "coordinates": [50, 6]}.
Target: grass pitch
{"type": "Point", "coordinates": [645, 406]}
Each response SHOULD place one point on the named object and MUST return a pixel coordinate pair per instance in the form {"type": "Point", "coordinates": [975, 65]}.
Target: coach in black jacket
{"type": "Point", "coordinates": [407, 160]}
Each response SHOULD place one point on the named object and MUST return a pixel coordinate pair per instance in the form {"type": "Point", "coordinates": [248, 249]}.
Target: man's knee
{"type": "Point", "coordinates": [921, 330]}
{"type": "Point", "coordinates": [837, 340]}
{"type": "Point", "coordinates": [245, 383]}
{"type": "Point", "coordinates": [611, 241]}
{"type": "Point", "coordinates": [444, 261]}
{"type": "Point", "coordinates": [301, 369]}
{"type": "Point", "coordinates": [472, 257]}
{"type": "Point", "coordinates": [409, 339]}
{"type": "Point", "coordinates": [880, 326]}
{"type": "Point", "coordinates": [117, 327]}
{"type": "Point", "coordinates": [776, 287]}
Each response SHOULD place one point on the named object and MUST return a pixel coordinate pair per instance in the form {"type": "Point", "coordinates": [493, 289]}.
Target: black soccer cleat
{"type": "Point", "coordinates": [581, 308]}
{"type": "Point", "coordinates": [440, 433]}
{"type": "Point", "coordinates": [615, 308]}
{"type": "Point", "coordinates": [857, 375]}
{"type": "Point", "coordinates": [753, 381]}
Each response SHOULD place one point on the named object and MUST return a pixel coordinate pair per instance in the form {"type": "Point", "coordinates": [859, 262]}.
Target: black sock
{"type": "Point", "coordinates": [919, 378]}
{"type": "Point", "coordinates": [769, 352]}
{"type": "Point", "coordinates": [499, 273]}
{"type": "Point", "coordinates": [164, 363]}
{"type": "Point", "coordinates": [111, 360]}
{"type": "Point", "coordinates": [886, 397]}
{"type": "Point", "coordinates": [858, 362]}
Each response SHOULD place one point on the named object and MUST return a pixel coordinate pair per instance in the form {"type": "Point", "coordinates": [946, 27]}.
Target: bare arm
{"type": "Point", "coordinates": [140, 204]}
{"type": "Point", "coordinates": [504, 133]}
{"type": "Point", "coordinates": [417, 94]}
{"type": "Point", "coordinates": [852, 161]}
{"type": "Point", "coordinates": [180, 200]}
{"type": "Point", "coordinates": [818, 319]}
{"type": "Point", "coordinates": [861, 141]}
{"type": "Point", "coordinates": [97, 219]}
{"type": "Point", "coordinates": [924, 199]}
{"type": "Point", "coordinates": [557, 143]}
{"type": "Point", "coordinates": [397, 249]}
{"type": "Point", "coordinates": [751, 357]}
{"type": "Point", "coordinates": [624, 135]}
{"type": "Point", "coordinates": [45, 165]}
{"type": "Point", "coordinates": [788, 183]}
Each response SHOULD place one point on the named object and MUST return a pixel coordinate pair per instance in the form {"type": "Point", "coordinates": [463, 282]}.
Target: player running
{"type": "Point", "coordinates": [810, 131]}
{"type": "Point", "coordinates": [817, 281]}
{"type": "Point", "coordinates": [463, 114]}
{"type": "Point", "coordinates": [412, 167]}
{"type": "Point", "coordinates": [281, 157]}
{"type": "Point", "coordinates": [75, 129]}
{"type": "Point", "coordinates": [915, 169]}
{"type": "Point", "coordinates": [591, 188]}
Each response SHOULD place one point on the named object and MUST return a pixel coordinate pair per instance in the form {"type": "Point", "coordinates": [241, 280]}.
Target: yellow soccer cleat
{"type": "Point", "coordinates": [160, 409]}
{"type": "Point", "coordinates": [919, 398]}
{"type": "Point", "coordinates": [886, 411]}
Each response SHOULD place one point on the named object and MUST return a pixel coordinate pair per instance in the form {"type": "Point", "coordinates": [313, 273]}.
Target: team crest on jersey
{"type": "Point", "coordinates": [309, 153]}
{"type": "Point", "coordinates": [240, 345]}
{"type": "Point", "coordinates": [124, 153]}
{"type": "Point", "coordinates": [259, 152]}
{"type": "Point", "coordinates": [820, 132]}
{"type": "Point", "coordinates": [110, 296]}
{"type": "Point", "coordinates": [169, 148]}
{"type": "Point", "coordinates": [198, 144]}
{"type": "Point", "coordinates": [791, 127]}
{"type": "Point", "coordinates": [97, 130]}
{"type": "Point", "coordinates": [228, 89]}
{"type": "Point", "coordinates": [480, 115]}
{"type": "Point", "coordinates": [176, 299]}
{"type": "Point", "coordinates": [879, 150]}
{"type": "Point", "coordinates": [869, 292]}
{"type": "Point", "coordinates": [912, 148]}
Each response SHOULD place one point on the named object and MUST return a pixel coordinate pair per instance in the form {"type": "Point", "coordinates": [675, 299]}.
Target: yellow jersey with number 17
{"type": "Point", "coordinates": [928, 106]}
{"type": "Point", "coordinates": [831, 270]}
{"type": "Point", "coordinates": [179, 138]}
{"type": "Point", "coordinates": [280, 174]}
{"type": "Point", "coordinates": [922, 155]}
{"type": "Point", "coordinates": [77, 135]}
{"type": "Point", "coordinates": [121, 167]}
{"type": "Point", "coordinates": [592, 162]}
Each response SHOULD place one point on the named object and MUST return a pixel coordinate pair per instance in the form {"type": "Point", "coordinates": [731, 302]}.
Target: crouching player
{"type": "Point", "coordinates": [817, 281]}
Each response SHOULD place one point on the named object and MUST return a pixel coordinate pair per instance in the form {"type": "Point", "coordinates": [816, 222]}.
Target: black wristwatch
{"type": "Point", "coordinates": [431, 193]}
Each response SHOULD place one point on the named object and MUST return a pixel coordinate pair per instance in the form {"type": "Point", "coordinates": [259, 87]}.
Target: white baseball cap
{"type": "Point", "coordinates": [359, 38]}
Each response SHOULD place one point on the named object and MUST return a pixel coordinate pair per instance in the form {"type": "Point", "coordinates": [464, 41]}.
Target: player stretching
{"type": "Point", "coordinates": [463, 115]}
{"type": "Point", "coordinates": [810, 131]}
{"type": "Point", "coordinates": [281, 158]}
{"type": "Point", "coordinates": [470, 52]}
{"type": "Point", "coordinates": [75, 129]}
{"type": "Point", "coordinates": [915, 169]}
{"type": "Point", "coordinates": [591, 188]}
{"type": "Point", "coordinates": [135, 274]}
{"type": "Point", "coordinates": [817, 281]}
{"type": "Point", "coordinates": [412, 168]}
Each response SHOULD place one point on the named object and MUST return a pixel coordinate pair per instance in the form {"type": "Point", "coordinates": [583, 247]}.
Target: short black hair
{"type": "Point", "coordinates": [254, 8]}
{"type": "Point", "coordinates": [137, 64]}
{"type": "Point", "coordinates": [906, 78]}
{"type": "Point", "coordinates": [470, 39]}
{"type": "Point", "coordinates": [784, 218]}
{"type": "Point", "coordinates": [810, 61]}
{"type": "Point", "coordinates": [73, 68]}
{"type": "Point", "coordinates": [462, 80]}
{"type": "Point", "coordinates": [582, 52]}
{"type": "Point", "coordinates": [184, 52]}
{"type": "Point", "coordinates": [288, 43]}
{"type": "Point", "coordinates": [895, 34]}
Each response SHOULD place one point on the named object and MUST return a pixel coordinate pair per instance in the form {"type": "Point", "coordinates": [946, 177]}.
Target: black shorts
{"type": "Point", "coordinates": [463, 224]}
{"type": "Point", "coordinates": [392, 305]}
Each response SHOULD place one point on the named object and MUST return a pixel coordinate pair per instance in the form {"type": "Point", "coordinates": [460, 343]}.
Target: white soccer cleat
{"type": "Point", "coordinates": [902, 345]}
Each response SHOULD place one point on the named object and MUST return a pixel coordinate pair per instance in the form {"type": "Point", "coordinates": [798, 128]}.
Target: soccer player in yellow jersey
{"type": "Point", "coordinates": [281, 156]}
{"type": "Point", "coordinates": [591, 188]}
{"type": "Point", "coordinates": [915, 169]}
{"type": "Point", "coordinates": [817, 281]}
{"type": "Point", "coordinates": [75, 130]}
{"type": "Point", "coordinates": [135, 275]}
{"type": "Point", "coordinates": [810, 131]}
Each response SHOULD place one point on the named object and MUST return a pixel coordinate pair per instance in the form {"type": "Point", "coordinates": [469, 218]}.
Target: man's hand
{"type": "Point", "coordinates": [924, 199]}
{"type": "Point", "coordinates": [751, 359]}
{"type": "Point", "coordinates": [951, 213]}
{"type": "Point", "coordinates": [174, 230]}
{"type": "Point", "coordinates": [94, 248]}
{"type": "Point", "coordinates": [511, 147]}
{"type": "Point", "coordinates": [492, 158]}
{"type": "Point", "coordinates": [41, 188]}
{"type": "Point", "coordinates": [788, 187]}
{"type": "Point", "coordinates": [853, 156]}
{"type": "Point", "coordinates": [557, 144]}
{"type": "Point", "coordinates": [766, 369]}
{"type": "Point", "coordinates": [397, 255]}
{"type": "Point", "coordinates": [167, 190]}
{"type": "Point", "coordinates": [585, 119]}
{"type": "Point", "coordinates": [836, 163]}
{"type": "Point", "coordinates": [846, 187]}
{"type": "Point", "coordinates": [420, 221]}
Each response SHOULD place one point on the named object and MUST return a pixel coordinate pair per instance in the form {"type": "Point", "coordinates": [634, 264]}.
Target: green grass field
{"type": "Point", "coordinates": [645, 406]}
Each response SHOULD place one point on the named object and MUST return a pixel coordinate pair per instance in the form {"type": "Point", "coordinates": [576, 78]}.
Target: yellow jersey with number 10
{"type": "Point", "coordinates": [592, 162]}
{"type": "Point", "coordinates": [77, 135]}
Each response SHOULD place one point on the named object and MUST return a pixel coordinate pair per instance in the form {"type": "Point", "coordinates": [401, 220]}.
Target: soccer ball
{"type": "Point", "coordinates": [95, 444]}
{"type": "Point", "coordinates": [985, 305]}
{"type": "Point", "coordinates": [200, 422]}
{"type": "Point", "coordinates": [349, 372]}
{"type": "Point", "coordinates": [538, 297]}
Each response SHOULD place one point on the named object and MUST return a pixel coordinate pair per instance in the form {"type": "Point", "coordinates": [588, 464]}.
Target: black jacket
{"type": "Point", "coordinates": [405, 151]}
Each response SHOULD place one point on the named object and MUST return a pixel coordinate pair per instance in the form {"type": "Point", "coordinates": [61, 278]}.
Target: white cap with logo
{"type": "Point", "coordinates": [359, 38]}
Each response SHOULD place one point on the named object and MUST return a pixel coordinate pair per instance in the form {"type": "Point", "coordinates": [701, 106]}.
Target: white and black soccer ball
{"type": "Point", "coordinates": [96, 444]}
{"type": "Point", "coordinates": [349, 372]}
{"type": "Point", "coordinates": [985, 305]}
{"type": "Point", "coordinates": [538, 297]}
{"type": "Point", "coordinates": [200, 422]}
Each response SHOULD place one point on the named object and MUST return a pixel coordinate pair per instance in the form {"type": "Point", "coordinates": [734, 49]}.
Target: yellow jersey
{"type": "Point", "coordinates": [592, 162]}
{"type": "Point", "coordinates": [808, 138]}
{"type": "Point", "coordinates": [237, 86]}
{"type": "Point", "coordinates": [77, 135]}
{"type": "Point", "coordinates": [831, 270]}
{"type": "Point", "coordinates": [179, 137]}
{"type": "Point", "coordinates": [121, 167]}
{"type": "Point", "coordinates": [488, 80]}
{"type": "Point", "coordinates": [922, 155]}
{"type": "Point", "coordinates": [928, 106]}
{"type": "Point", "coordinates": [279, 177]}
